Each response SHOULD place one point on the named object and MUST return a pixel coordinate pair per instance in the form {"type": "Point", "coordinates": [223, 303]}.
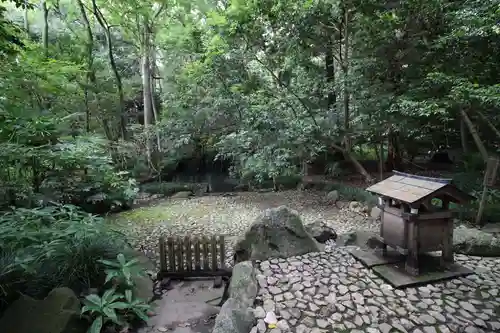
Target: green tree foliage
{"type": "Point", "coordinates": [95, 94]}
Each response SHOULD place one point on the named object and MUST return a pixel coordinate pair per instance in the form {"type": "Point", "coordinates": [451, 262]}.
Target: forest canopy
{"type": "Point", "coordinates": [99, 94]}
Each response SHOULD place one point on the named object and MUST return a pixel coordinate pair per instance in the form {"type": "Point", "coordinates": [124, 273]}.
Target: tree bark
{"type": "Point", "coordinates": [394, 160]}
{"type": "Point", "coordinates": [45, 31]}
{"type": "Point", "coordinates": [381, 158]}
{"type": "Point", "coordinates": [102, 22]}
{"type": "Point", "coordinates": [330, 76]}
{"type": "Point", "coordinates": [347, 115]}
{"type": "Point", "coordinates": [153, 94]}
{"type": "Point", "coordinates": [90, 77]}
{"type": "Point", "coordinates": [475, 136]}
{"type": "Point", "coordinates": [25, 17]}
{"type": "Point", "coordinates": [463, 136]}
{"type": "Point", "coordinates": [146, 88]}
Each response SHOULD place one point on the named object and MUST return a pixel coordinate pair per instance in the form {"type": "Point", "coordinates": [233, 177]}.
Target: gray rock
{"type": "Point", "coordinates": [58, 313]}
{"type": "Point", "coordinates": [475, 242]}
{"type": "Point", "coordinates": [333, 196]}
{"type": "Point", "coordinates": [259, 312]}
{"type": "Point", "coordinates": [234, 317]}
{"type": "Point", "coordinates": [363, 238]}
{"type": "Point", "coordinates": [277, 232]}
{"type": "Point", "coordinates": [321, 231]}
{"type": "Point", "coordinates": [243, 285]}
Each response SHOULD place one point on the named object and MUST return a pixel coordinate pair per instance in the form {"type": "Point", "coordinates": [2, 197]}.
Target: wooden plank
{"type": "Point", "coordinates": [180, 254]}
{"type": "Point", "coordinates": [163, 255]}
{"type": "Point", "coordinates": [171, 254]}
{"type": "Point", "coordinates": [197, 258]}
{"type": "Point", "coordinates": [206, 265]}
{"type": "Point", "coordinates": [189, 256]}
{"type": "Point", "coordinates": [222, 252]}
{"type": "Point", "coordinates": [213, 243]}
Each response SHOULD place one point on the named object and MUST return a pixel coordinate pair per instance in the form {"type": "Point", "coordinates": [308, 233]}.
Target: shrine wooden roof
{"type": "Point", "coordinates": [412, 188]}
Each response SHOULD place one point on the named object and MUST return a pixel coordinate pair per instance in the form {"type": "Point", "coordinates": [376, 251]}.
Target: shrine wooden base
{"type": "Point", "coordinates": [391, 268]}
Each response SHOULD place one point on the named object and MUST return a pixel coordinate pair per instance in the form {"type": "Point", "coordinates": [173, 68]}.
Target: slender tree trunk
{"type": "Point", "coordinates": [381, 158]}
{"type": "Point", "coordinates": [25, 16]}
{"type": "Point", "coordinates": [102, 22]}
{"type": "Point", "coordinates": [359, 168]}
{"type": "Point", "coordinates": [90, 64]}
{"type": "Point", "coordinates": [475, 136]}
{"type": "Point", "coordinates": [146, 88]}
{"type": "Point", "coordinates": [45, 31]}
{"type": "Point", "coordinates": [330, 76]}
{"type": "Point", "coordinates": [153, 99]}
{"type": "Point", "coordinates": [463, 136]}
{"type": "Point", "coordinates": [394, 161]}
{"type": "Point", "coordinates": [347, 115]}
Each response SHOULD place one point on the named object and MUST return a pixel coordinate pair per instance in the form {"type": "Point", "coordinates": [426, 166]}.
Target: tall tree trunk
{"type": "Point", "coordinates": [394, 160]}
{"type": "Point", "coordinates": [45, 31]}
{"type": "Point", "coordinates": [25, 17]}
{"type": "Point", "coordinates": [381, 158]}
{"type": "Point", "coordinates": [347, 116]}
{"type": "Point", "coordinates": [330, 76]}
{"type": "Point", "coordinates": [102, 22]}
{"type": "Point", "coordinates": [146, 87]}
{"type": "Point", "coordinates": [90, 77]}
{"type": "Point", "coordinates": [153, 94]}
{"type": "Point", "coordinates": [475, 136]}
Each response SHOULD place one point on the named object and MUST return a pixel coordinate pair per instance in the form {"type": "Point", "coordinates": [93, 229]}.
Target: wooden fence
{"type": "Point", "coordinates": [182, 257]}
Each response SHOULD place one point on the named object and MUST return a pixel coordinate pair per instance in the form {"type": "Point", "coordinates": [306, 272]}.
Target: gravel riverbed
{"type": "Point", "coordinates": [229, 216]}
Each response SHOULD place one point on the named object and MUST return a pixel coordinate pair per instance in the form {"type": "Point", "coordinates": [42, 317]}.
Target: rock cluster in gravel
{"type": "Point", "coordinates": [230, 216]}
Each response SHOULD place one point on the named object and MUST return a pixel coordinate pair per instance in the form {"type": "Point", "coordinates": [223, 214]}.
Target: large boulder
{"type": "Point", "coordinates": [321, 231]}
{"type": "Point", "coordinates": [59, 312]}
{"type": "Point", "coordinates": [277, 232]}
{"type": "Point", "coordinates": [475, 242]}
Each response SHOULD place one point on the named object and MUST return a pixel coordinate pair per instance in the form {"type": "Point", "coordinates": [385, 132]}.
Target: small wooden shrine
{"type": "Point", "coordinates": [416, 216]}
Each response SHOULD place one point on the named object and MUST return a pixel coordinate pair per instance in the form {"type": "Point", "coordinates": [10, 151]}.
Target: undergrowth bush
{"type": "Point", "coordinates": [350, 193]}
{"type": "Point", "coordinates": [472, 183]}
{"type": "Point", "coordinates": [60, 245]}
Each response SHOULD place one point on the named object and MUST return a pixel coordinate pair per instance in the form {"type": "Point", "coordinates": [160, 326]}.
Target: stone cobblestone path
{"type": "Point", "coordinates": [332, 292]}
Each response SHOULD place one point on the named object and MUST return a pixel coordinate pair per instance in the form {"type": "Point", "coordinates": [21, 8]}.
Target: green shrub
{"type": "Point", "coordinates": [117, 306]}
{"type": "Point", "coordinates": [349, 193]}
{"type": "Point", "coordinates": [44, 248]}
{"type": "Point", "coordinates": [83, 174]}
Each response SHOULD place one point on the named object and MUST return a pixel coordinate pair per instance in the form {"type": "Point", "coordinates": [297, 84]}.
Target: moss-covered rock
{"type": "Point", "coordinates": [59, 312]}
{"type": "Point", "coordinates": [475, 242]}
